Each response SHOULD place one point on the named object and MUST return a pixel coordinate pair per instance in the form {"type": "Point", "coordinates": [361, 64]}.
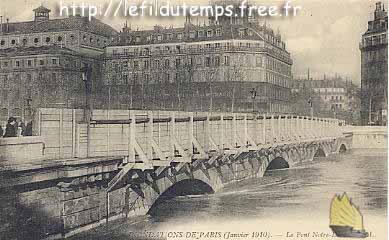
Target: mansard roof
{"type": "Point", "coordinates": [228, 31]}
{"type": "Point", "coordinates": [65, 24]}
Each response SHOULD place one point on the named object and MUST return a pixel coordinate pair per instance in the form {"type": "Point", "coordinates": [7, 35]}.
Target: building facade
{"type": "Point", "coordinates": [228, 65]}
{"type": "Point", "coordinates": [42, 62]}
{"type": "Point", "coordinates": [334, 97]}
{"type": "Point", "coordinates": [374, 69]}
{"type": "Point", "coordinates": [233, 64]}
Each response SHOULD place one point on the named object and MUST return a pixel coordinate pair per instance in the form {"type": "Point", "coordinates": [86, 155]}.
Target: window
{"type": "Point", "coordinates": [24, 41]}
{"type": "Point", "coordinates": [159, 37]}
{"type": "Point", "coordinates": [156, 63]}
{"type": "Point", "coordinates": [146, 64]}
{"type": "Point", "coordinates": [137, 39]}
{"type": "Point", "coordinates": [13, 41]}
{"type": "Point", "coordinates": [227, 60]}
{"type": "Point", "coordinates": [54, 76]}
{"type": "Point", "coordinates": [259, 62]}
{"type": "Point", "coordinates": [178, 62]}
{"type": "Point", "coordinates": [209, 33]}
{"type": "Point", "coordinates": [218, 32]}
{"type": "Point", "coordinates": [29, 63]}
{"type": "Point", "coordinates": [217, 61]}
{"type": "Point", "coordinates": [167, 63]}
{"type": "Point", "coordinates": [207, 61]}
{"type": "Point", "coordinates": [41, 62]}
{"type": "Point", "coordinates": [48, 39]}
{"type": "Point", "coordinates": [17, 64]}
{"type": "Point", "coordinates": [90, 40]}
{"type": "Point", "coordinates": [54, 61]}
{"type": "Point", "coordinates": [192, 34]}
{"type": "Point", "coordinates": [201, 33]}
{"type": "Point", "coordinates": [2, 42]}
{"type": "Point", "coordinates": [36, 40]}
{"type": "Point", "coordinates": [179, 36]}
{"type": "Point", "coordinates": [136, 65]}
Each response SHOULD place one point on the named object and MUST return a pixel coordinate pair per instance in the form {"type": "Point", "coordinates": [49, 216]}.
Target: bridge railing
{"type": "Point", "coordinates": [160, 137]}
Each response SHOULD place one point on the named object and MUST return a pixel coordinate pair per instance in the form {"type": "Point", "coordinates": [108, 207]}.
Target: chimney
{"type": "Point", "coordinates": [379, 11]}
{"type": "Point", "coordinates": [7, 26]}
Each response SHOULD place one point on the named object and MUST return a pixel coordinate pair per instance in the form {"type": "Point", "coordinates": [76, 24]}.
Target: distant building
{"type": "Point", "coordinates": [374, 65]}
{"type": "Point", "coordinates": [41, 62]}
{"type": "Point", "coordinates": [233, 64]}
{"type": "Point", "coordinates": [334, 97]}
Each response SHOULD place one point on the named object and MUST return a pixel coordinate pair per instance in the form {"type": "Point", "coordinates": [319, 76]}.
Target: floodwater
{"type": "Point", "coordinates": [285, 204]}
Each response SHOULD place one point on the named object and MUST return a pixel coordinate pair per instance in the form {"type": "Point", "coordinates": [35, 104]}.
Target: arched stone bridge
{"type": "Point", "coordinates": [147, 186]}
{"type": "Point", "coordinates": [75, 175]}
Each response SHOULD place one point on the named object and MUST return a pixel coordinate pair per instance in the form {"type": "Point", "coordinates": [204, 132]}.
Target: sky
{"type": "Point", "coordinates": [324, 37]}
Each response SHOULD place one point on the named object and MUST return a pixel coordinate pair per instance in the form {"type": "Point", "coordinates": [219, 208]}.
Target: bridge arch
{"type": "Point", "coordinates": [342, 148]}
{"type": "Point", "coordinates": [320, 153]}
{"type": "Point", "coordinates": [170, 183]}
{"type": "Point", "coordinates": [181, 188]}
{"type": "Point", "coordinates": [277, 163]}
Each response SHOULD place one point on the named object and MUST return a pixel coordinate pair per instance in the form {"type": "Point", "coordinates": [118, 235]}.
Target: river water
{"type": "Point", "coordinates": [285, 204]}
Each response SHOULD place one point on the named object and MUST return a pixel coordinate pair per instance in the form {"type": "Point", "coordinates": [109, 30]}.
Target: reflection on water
{"type": "Point", "coordinates": [296, 199]}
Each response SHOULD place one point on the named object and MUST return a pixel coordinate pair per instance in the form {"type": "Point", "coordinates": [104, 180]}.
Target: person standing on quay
{"type": "Point", "coordinates": [11, 128]}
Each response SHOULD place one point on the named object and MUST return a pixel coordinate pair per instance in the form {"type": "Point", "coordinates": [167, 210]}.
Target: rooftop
{"type": "Point", "coordinates": [53, 25]}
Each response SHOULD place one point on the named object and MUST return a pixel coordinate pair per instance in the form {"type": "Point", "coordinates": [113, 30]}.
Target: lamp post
{"type": "Point", "coordinates": [86, 77]}
{"type": "Point", "coordinates": [310, 103]}
{"type": "Point", "coordinates": [253, 96]}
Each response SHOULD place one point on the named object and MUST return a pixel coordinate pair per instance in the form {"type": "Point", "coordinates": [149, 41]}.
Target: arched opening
{"type": "Point", "coordinates": [277, 163]}
{"type": "Point", "coordinates": [342, 148]}
{"type": "Point", "coordinates": [182, 188]}
{"type": "Point", "coordinates": [319, 153]}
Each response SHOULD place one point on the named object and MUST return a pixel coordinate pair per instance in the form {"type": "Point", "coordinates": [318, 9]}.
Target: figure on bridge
{"type": "Point", "coordinates": [11, 128]}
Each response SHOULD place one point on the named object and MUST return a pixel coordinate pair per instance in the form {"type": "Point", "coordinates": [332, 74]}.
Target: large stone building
{"type": "Point", "coordinates": [42, 62]}
{"type": "Point", "coordinates": [233, 64]}
{"type": "Point", "coordinates": [330, 97]}
{"type": "Point", "coordinates": [374, 65]}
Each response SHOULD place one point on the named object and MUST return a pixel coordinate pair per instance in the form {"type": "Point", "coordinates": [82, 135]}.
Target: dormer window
{"type": "Point", "coordinates": [137, 39]}
{"type": "Point", "coordinates": [201, 33]}
{"type": "Point", "coordinates": [192, 34]}
{"type": "Point", "coordinates": [159, 37]}
{"type": "Point", "coordinates": [209, 33]}
{"type": "Point", "coordinates": [218, 32]}
{"type": "Point", "coordinates": [179, 36]}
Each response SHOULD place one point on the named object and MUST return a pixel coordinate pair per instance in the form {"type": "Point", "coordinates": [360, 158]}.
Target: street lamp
{"type": "Point", "coordinates": [310, 103]}
{"type": "Point", "coordinates": [253, 96]}
{"type": "Point", "coordinates": [86, 77]}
